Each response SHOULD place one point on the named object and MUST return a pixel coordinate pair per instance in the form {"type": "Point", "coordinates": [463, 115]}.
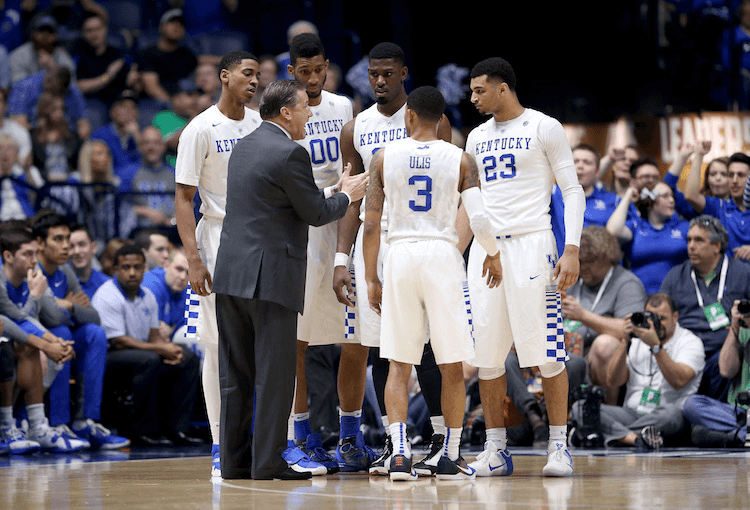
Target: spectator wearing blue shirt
{"type": "Point", "coordinates": [169, 284]}
{"type": "Point", "coordinates": [82, 257]}
{"type": "Point", "coordinates": [731, 212]}
{"type": "Point", "coordinates": [25, 95]}
{"type": "Point", "coordinates": [52, 232]}
{"type": "Point", "coordinates": [656, 241]}
{"type": "Point", "coordinates": [123, 133]}
{"type": "Point", "coordinates": [600, 204]}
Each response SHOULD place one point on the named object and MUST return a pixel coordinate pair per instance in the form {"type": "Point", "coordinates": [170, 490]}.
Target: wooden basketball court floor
{"type": "Point", "coordinates": [609, 479]}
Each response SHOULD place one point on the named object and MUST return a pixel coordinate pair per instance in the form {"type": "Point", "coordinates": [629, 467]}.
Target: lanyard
{"type": "Point", "coordinates": [602, 287]}
{"type": "Point", "coordinates": [722, 281]}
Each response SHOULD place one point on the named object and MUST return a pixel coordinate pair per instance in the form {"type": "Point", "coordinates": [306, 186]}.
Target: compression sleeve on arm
{"type": "Point", "coordinates": [479, 220]}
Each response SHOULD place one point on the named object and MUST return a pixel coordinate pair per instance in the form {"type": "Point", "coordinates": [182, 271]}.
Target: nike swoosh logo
{"type": "Point", "coordinates": [534, 277]}
{"type": "Point", "coordinates": [495, 467]}
{"type": "Point", "coordinates": [214, 125]}
{"type": "Point", "coordinates": [57, 284]}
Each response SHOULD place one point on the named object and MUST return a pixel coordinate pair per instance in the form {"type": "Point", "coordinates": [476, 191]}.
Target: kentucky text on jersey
{"type": "Point", "coordinates": [325, 126]}
{"type": "Point", "coordinates": [226, 145]}
{"type": "Point", "coordinates": [379, 137]}
{"type": "Point", "coordinates": [502, 144]}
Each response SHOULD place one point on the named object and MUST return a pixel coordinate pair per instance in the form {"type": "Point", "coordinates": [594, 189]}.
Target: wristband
{"type": "Point", "coordinates": [341, 259]}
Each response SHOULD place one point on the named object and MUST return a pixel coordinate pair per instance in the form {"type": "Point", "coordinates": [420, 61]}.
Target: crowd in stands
{"type": "Point", "coordinates": [94, 280]}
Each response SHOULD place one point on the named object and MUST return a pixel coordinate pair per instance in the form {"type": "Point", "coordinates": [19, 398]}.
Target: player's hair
{"type": "Point", "coordinates": [739, 157]}
{"type": "Point", "coordinates": [387, 50]}
{"type": "Point", "coordinates": [128, 249]}
{"type": "Point", "coordinates": [717, 233]}
{"type": "Point", "coordinates": [306, 46]}
{"type": "Point", "coordinates": [11, 239]}
{"type": "Point", "coordinates": [427, 102]}
{"type": "Point", "coordinates": [591, 149]}
{"type": "Point", "coordinates": [235, 58]}
{"type": "Point", "coordinates": [598, 243]}
{"type": "Point", "coordinates": [656, 300]}
{"type": "Point", "coordinates": [279, 94]}
{"type": "Point", "coordinates": [495, 68]}
{"type": "Point", "coordinates": [43, 224]}
{"type": "Point", "coordinates": [642, 162]}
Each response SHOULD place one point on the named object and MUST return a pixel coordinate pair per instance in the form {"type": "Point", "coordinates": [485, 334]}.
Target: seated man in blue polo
{"type": "Point", "coordinates": [82, 255]}
{"type": "Point", "coordinates": [52, 232]}
{"type": "Point", "coordinates": [162, 376]}
{"type": "Point", "coordinates": [169, 285]}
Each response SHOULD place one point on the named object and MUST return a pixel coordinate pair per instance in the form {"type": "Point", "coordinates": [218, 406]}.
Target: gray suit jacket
{"type": "Point", "coordinates": [271, 200]}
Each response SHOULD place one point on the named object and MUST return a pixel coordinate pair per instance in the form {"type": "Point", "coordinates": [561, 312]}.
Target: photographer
{"type": "Point", "coordinates": [721, 424]}
{"type": "Point", "coordinates": [661, 367]}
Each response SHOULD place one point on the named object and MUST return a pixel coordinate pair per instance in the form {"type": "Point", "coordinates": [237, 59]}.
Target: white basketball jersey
{"type": "Point", "coordinates": [203, 154]}
{"type": "Point", "coordinates": [322, 134]}
{"type": "Point", "coordinates": [373, 131]}
{"type": "Point", "coordinates": [421, 182]}
{"type": "Point", "coordinates": [517, 160]}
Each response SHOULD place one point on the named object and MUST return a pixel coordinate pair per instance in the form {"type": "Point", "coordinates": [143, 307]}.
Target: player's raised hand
{"type": "Point", "coordinates": [492, 268]}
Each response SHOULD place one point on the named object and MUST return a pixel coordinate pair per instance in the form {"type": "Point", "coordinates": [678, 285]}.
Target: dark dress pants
{"type": "Point", "coordinates": [257, 366]}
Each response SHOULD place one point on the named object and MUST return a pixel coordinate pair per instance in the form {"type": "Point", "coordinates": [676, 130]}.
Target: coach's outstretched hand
{"type": "Point", "coordinates": [354, 185]}
{"type": "Point", "coordinates": [493, 269]}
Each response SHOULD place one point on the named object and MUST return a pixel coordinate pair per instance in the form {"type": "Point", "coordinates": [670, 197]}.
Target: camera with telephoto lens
{"type": "Point", "coordinates": [588, 433]}
{"type": "Point", "coordinates": [744, 306]}
{"type": "Point", "coordinates": [640, 320]}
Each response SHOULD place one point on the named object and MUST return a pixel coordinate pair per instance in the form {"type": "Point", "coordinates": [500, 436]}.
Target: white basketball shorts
{"type": "Point", "coordinates": [323, 320]}
{"type": "Point", "coordinates": [425, 283]}
{"type": "Point", "coordinates": [524, 309]}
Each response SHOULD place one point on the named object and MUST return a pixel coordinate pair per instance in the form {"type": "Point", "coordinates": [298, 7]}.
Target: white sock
{"type": "Point", "coordinates": [36, 415]}
{"type": "Point", "coordinates": [398, 436]}
{"type": "Point", "coordinates": [499, 436]}
{"type": "Point", "coordinates": [290, 428]}
{"type": "Point", "coordinates": [385, 421]}
{"type": "Point", "coordinates": [6, 417]}
{"type": "Point", "coordinates": [452, 442]}
{"type": "Point", "coordinates": [438, 424]}
{"type": "Point", "coordinates": [211, 390]}
{"type": "Point", "coordinates": [558, 435]}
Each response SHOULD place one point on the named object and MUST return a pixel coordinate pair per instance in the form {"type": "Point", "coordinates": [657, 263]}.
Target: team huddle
{"type": "Point", "coordinates": [395, 261]}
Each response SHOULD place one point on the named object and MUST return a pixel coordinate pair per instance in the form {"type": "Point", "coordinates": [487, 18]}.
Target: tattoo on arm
{"type": "Point", "coordinates": [470, 173]}
{"type": "Point", "coordinates": [375, 194]}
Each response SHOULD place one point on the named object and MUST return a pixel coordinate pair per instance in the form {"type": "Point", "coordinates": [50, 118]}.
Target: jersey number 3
{"type": "Point", "coordinates": [424, 189]}
{"type": "Point", "coordinates": [490, 167]}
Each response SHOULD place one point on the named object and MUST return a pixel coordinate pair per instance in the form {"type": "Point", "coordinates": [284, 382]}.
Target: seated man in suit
{"type": "Point", "coordinates": [163, 375]}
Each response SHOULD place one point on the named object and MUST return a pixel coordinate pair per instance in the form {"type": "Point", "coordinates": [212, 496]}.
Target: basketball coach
{"type": "Point", "coordinates": [260, 278]}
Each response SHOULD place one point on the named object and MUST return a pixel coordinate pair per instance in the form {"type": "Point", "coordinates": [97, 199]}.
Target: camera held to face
{"type": "Point", "coordinates": [640, 320]}
{"type": "Point", "coordinates": [744, 307]}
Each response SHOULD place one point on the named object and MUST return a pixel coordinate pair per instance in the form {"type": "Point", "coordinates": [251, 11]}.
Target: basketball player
{"type": "Point", "coordinates": [202, 158]}
{"type": "Point", "coordinates": [323, 320]}
{"type": "Point", "coordinates": [519, 153]}
{"type": "Point", "coordinates": [371, 130]}
{"type": "Point", "coordinates": [424, 275]}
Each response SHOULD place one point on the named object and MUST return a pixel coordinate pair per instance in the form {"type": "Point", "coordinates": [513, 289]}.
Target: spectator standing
{"type": "Point", "coordinates": [123, 133]}
{"type": "Point", "coordinates": [41, 52]}
{"type": "Point", "coordinates": [167, 62]}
